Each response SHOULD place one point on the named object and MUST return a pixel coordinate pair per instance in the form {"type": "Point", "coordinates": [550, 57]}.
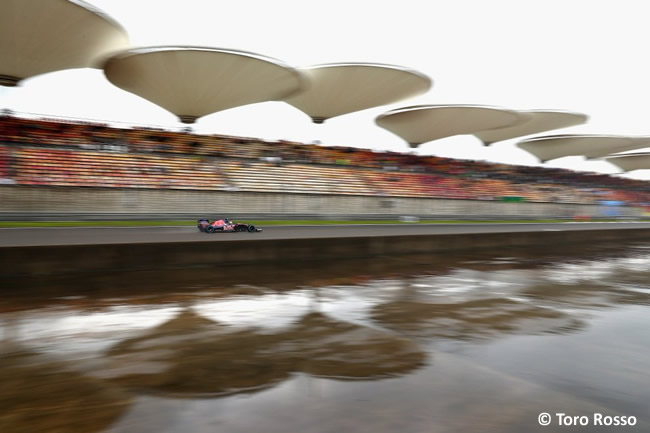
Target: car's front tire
{"type": "Point", "coordinates": [251, 228]}
{"type": "Point", "coordinates": [209, 229]}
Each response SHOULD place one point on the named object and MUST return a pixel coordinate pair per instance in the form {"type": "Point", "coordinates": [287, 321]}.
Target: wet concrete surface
{"type": "Point", "coordinates": [479, 341]}
{"type": "Point", "coordinates": [10, 237]}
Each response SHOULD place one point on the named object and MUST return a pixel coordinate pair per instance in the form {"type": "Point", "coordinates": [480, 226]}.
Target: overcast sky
{"type": "Point", "coordinates": [586, 56]}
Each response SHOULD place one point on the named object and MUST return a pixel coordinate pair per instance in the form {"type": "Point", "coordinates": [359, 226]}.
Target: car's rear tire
{"type": "Point", "coordinates": [209, 229]}
{"type": "Point", "coordinates": [251, 228]}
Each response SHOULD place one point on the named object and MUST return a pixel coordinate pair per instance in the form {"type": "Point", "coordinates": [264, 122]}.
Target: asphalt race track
{"type": "Point", "coordinates": [120, 235]}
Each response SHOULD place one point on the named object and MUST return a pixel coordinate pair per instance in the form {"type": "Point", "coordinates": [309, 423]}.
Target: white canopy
{"type": "Point", "coordinates": [590, 146]}
{"type": "Point", "coordinates": [342, 88]}
{"type": "Point", "coordinates": [423, 123]}
{"type": "Point", "coordinates": [632, 161]}
{"type": "Point", "coordinates": [195, 81]}
{"type": "Point", "coordinates": [38, 36]}
{"type": "Point", "coordinates": [535, 121]}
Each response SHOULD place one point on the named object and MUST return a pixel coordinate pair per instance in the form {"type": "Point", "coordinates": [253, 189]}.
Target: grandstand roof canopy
{"type": "Point", "coordinates": [535, 121]}
{"type": "Point", "coordinates": [632, 161]}
{"type": "Point", "coordinates": [45, 36]}
{"type": "Point", "coordinates": [195, 81]}
{"type": "Point", "coordinates": [340, 88]}
{"type": "Point", "coordinates": [591, 146]}
{"type": "Point", "coordinates": [423, 123]}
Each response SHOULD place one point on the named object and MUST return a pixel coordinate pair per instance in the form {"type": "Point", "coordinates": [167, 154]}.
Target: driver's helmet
{"type": "Point", "coordinates": [226, 220]}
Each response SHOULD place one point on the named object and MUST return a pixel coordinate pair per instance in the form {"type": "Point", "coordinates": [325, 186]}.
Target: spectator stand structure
{"type": "Point", "coordinates": [50, 165]}
{"type": "Point", "coordinates": [45, 154]}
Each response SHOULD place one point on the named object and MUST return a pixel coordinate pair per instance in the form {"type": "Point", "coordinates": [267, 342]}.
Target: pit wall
{"type": "Point", "coordinates": [19, 264]}
{"type": "Point", "coordinates": [62, 202]}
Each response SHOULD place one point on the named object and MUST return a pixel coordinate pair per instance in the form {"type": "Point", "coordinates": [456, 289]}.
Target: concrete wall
{"type": "Point", "coordinates": [23, 202]}
{"type": "Point", "coordinates": [19, 262]}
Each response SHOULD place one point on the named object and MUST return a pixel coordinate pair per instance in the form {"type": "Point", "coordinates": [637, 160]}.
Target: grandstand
{"type": "Point", "coordinates": [56, 154]}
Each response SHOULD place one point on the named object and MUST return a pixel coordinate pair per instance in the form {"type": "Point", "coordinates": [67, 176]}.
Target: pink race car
{"type": "Point", "coordinates": [224, 225]}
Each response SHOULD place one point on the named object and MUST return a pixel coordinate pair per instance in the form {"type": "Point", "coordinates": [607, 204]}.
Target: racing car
{"type": "Point", "coordinates": [224, 225]}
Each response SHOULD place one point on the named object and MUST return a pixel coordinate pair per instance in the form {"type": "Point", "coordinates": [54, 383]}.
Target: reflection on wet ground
{"type": "Point", "coordinates": [472, 342]}
{"type": "Point", "coordinates": [190, 355]}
